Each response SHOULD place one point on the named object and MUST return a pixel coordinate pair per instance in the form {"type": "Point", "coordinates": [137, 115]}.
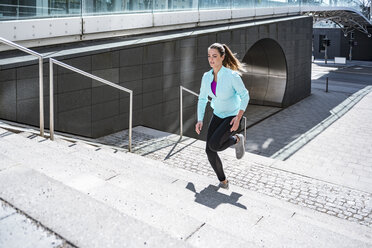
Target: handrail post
{"type": "Point", "coordinates": [51, 120]}
{"type": "Point", "coordinates": [51, 100]}
{"type": "Point", "coordinates": [245, 128]}
{"type": "Point", "coordinates": [41, 81]}
{"type": "Point", "coordinates": [181, 106]}
{"type": "Point", "coordinates": [41, 96]}
{"type": "Point", "coordinates": [130, 120]}
{"type": "Point", "coordinates": [181, 115]}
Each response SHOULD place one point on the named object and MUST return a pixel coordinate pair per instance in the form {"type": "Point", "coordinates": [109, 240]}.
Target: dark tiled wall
{"type": "Point", "coordinates": [154, 72]}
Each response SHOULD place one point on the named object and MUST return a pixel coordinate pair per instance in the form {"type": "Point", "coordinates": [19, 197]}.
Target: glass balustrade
{"type": "Point", "coordinates": [29, 9]}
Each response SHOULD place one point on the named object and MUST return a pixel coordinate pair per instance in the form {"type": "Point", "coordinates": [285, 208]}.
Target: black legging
{"type": "Point", "coordinates": [219, 138]}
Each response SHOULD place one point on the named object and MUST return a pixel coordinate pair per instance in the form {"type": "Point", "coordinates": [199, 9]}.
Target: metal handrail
{"type": "Point", "coordinates": [196, 94]}
{"type": "Point", "coordinates": [41, 89]}
{"type": "Point", "coordinates": [51, 119]}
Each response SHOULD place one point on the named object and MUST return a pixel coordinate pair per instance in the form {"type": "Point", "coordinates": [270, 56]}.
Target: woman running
{"type": "Point", "coordinates": [229, 101]}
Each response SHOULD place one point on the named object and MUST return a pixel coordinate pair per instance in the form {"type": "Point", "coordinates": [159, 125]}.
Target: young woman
{"type": "Point", "coordinates": [229, 101]}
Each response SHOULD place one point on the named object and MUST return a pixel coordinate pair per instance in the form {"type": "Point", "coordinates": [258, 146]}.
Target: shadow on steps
{"type": "Point", "coordinates": [210, 197]}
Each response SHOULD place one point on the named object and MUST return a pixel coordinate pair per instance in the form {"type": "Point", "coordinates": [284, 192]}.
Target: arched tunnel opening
{"type": "Point", "coordinates": [266, 75]}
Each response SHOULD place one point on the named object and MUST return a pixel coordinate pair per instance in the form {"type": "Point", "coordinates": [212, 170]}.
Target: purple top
{"type": "Point", "coordinates": [214, 86]}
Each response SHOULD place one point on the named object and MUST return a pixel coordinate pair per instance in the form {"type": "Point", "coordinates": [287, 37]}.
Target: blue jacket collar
{"type": "Point", "coordinates": [220, 72]}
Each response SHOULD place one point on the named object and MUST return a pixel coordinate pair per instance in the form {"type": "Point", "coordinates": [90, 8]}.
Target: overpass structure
{"type": "Point", "coordinates": [348, 19]}
{"type": "Point", "coordinates": [60, 21]}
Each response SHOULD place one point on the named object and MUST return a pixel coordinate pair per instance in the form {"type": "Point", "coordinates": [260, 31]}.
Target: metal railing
{"type": "Point", "coordinates": [196, 94]}
{"type": "Point", "coordinates": [51, 119]}
{"type": "Point", "coordinates": [41, 89]}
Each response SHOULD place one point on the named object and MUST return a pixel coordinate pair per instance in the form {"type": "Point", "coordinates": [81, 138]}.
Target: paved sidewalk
{"type": "Point", "coordinates": [342, 153]}
{"type": "Point", "coordinates": [327, 135]}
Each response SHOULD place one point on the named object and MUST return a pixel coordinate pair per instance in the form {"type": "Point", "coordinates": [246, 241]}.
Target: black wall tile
{"type": "Point", "coordinates": [130, 73]}
{"type": "Point", "coordinates": [77, 121]}
{"type": "Point", "coordinates": [104, 93]}
{"type": "Point", "coordinates": [152, 84]}
{"type": "Point", "coordinates": [28, 111]}
{"type": "Point", "coordinates": [153, 53]}
{"type": "Point", "coordinates": [72, 82]}
{"type": "Point", "coordinates": [8, 75]}
{"type": "Point", "coordinates": [106, 60]}
{"type": "Point", "coordinates": [83, 63]}
{"type": "Point", "coordinates": [73, 100]}
{"type": "Point", "coordinates": [131, 56]}
{"type": "Point", "coordinates": [152, 70]}
{"type": "Point", "coordinates": [8, 103]}
{"type": "Point", "coordinates": [105, 110]}
{"type": "Point", "coordinates": [152, 98]}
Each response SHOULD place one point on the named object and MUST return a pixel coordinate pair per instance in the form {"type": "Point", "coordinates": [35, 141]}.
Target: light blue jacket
{"type": "Point", "coordinates": [231, 94]}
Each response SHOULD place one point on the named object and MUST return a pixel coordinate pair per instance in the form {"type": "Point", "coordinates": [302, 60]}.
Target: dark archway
{"type": "Point", "coordinates": [266, 76]}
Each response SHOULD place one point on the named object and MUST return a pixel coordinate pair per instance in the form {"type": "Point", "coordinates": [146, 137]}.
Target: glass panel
{"type": "Point", "coordinates": [214, 4]}
{"type": "Point", "coordinates": [278, 3]}
{"type": "Point", "coordinates": [240, 4]}
{"type": "Point", "coordinates": [10, 9]}
{"type": "Point", "coordinates": [262, 3]}
{"type": "Point", "coordinates": [294, 3]}
{"type": "Point", "coordinates": [104, 7]}
{"type": "Point", "coordinates": [26, 9]}
{"type": "Point", "coordinates": [64, 7]}
{"type": "Point", "coordinates": [172, 5]}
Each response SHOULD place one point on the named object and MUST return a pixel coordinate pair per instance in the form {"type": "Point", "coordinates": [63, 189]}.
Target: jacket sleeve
{"type": "Point", "coordinates": [241, 91]}
{"type": "Point", "coordinates": [202, 100]}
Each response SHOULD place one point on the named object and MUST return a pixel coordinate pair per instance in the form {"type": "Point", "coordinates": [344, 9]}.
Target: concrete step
{"type": "Point", "coordinates": [77, 217]}
{"type": "Point", "coordinates": [127, 164]}
{"type": "Point", "coordinates": [87, 160]}
{"type": "Point", "coordinates": [47, 160]}
{"type": "Point", "coordinates": [17, 230]}
{"type": "Point", "coordinates": [137, 204]}
{"type": "Point", "coordinates": [82, 157]}
{"type": "Point", "coordinates": [126, 201]}
{"type": "Point", "coordinates": [251, 217]}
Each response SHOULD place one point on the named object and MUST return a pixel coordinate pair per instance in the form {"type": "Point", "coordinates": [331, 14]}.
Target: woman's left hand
{"type": "Point", "coordinates": [235, 123]}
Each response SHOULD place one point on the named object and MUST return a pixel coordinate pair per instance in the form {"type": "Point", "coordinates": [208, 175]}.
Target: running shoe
{"type": "Point", "coordinates": [224, 185]}
{"type": "Point", "coordinates": [239, 147]}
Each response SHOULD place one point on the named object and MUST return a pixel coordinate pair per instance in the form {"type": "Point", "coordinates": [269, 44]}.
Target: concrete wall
{"type": "Point", "coordinates": [154, 72]}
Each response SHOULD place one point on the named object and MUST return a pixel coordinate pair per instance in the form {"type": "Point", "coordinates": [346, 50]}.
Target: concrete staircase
{"type": "Point", "coordinates": [98, 197]}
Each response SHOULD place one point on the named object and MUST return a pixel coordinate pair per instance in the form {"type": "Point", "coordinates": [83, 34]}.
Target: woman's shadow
{"type": "Point", "coordinates": [211, 198]}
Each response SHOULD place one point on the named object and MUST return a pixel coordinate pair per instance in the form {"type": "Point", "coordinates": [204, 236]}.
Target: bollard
{"type": "Point", "coordinates": [327, 84]}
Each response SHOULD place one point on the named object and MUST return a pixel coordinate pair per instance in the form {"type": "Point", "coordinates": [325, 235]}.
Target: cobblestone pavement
{"type": "Point", "coordinates": [266, 175]}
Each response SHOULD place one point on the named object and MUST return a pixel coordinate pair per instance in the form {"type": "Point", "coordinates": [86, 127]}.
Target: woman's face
{"type": "Point", "coordinates": [214, 58]}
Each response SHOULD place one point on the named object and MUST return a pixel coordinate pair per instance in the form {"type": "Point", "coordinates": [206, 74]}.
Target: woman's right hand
{"type": "Point", "coordinates": [198, 127]}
